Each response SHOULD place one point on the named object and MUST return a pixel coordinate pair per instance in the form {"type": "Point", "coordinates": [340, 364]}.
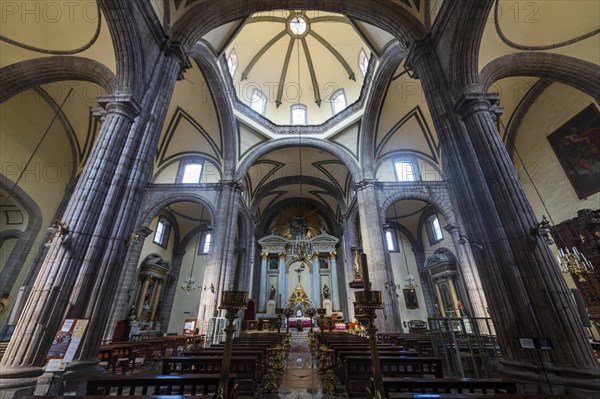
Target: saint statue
{"type": "Point", "coordinates": [325, 292]}
{"type": "Point", "coordinates": [272, 293]}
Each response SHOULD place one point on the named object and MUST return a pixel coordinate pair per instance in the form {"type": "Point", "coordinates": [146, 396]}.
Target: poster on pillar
{"type": "Point", "coordinates": [65, 343]}
{"type": "Point", "coordinates": [577, 146]}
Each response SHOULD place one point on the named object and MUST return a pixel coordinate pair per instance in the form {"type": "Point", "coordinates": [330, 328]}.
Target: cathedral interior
{"type": "Point", "coordinates": [164, 161]}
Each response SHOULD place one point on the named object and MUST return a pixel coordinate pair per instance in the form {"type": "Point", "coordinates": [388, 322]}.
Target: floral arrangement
{"type": "Point", "coordinates": [311, 312]}
{"type": "Point", "coordinates": [288, 311]}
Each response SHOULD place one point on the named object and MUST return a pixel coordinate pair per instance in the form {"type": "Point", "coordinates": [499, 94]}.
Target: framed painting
{"type": "Point", "coordinates": [410, 298]}
{"type": "Point", "coordinates": [577, 146]}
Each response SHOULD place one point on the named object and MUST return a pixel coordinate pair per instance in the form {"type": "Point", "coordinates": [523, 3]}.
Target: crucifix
{"type": "Point", "coordinates": [299, 270]}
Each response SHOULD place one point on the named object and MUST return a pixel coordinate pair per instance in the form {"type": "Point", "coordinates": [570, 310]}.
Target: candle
{"type": "Point", "coordinates": [238, 272]}
{"type": "Point", "coordinates": [365, 272]}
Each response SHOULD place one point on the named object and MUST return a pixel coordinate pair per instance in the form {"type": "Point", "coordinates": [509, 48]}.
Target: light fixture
{"type": "Point", "coordinates": [189, 284]}
{"type": "Point", "coordinates": [543, 229]}
{"type": "Point", "coordinates": [574, 263]}
{"type": "Point", "coordinates": [57, 228]}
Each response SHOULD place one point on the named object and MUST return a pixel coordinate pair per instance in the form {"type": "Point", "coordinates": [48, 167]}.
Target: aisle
{"type": "Point", "coordinates": [301, 379]}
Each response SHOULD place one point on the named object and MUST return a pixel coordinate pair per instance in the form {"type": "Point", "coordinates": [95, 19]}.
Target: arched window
{"type": "Point", "coordinates": [232, 62]}
{"type": "Point", "coordinates": [338, 101]}
{"type": "Point", "coordinates": [363, 61]}
{"type": "Point", "coordinates": [434, 229]}
{"type": "Point", "coordinates": [391, 240]}
{"type": "Point", "coordinates": [205, 245]}
{"type": "Point", "coordinates": [161, 235]}
{"type": "Point", "coordinates": [298, 114]}
{"type": "Point", "coordinates": [258, 101]}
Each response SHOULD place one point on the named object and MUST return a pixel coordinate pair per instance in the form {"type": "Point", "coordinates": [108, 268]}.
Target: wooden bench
{"type": "Point", "coordinates": [481, 386]}
{"type": "Point", "coordinates": [246, 368]}
{"type": "Point", "coordinates": [357, 370]}
{"type": "Point", "coordinates": [129, 385]}
{"type": "Point", "coordinates": [129, 397]}
{"type": "Point", "coordinates": [475, 396]}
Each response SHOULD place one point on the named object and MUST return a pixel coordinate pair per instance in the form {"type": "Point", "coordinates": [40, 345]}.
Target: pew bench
{"type": "Point", "coordinates": [357, 370]}
{"type": "Point", "coordinates": [457, 386]}
{"type": "Point", "coordinates": [130, 385]}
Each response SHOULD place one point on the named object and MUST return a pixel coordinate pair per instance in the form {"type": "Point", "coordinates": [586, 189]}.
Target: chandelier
{"type": "Point", "coordinates": [574, 262]}
{"type": "Point", "coordinates": [301, 249]}
{"type": "Point", "coordinates": [189, 284]}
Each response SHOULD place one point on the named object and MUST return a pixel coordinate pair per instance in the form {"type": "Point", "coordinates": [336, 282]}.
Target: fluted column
{"type": "Point", "coordinates": [49, 297]}
{"type": "Point", "coordinates": [141, 297]}
{"type": "Point", "coordinates": [315, 283]}
{"type": "Point", "coordinates": [526, 294]}
{"type": "Point", "coordinates": [335, 295]}
{"type": "Point", "coordinates": [155, 299]}
{"type": "Point", "coordinates": [469, 273]}
{"type": "Point", "coordinates": [262, 293]}
{"type": "Point", "coordinates": [379, 271]}
{"type": "Point", "coordinates": [124, 296]}
{"type": "Point", "coordinates": [282, 283]}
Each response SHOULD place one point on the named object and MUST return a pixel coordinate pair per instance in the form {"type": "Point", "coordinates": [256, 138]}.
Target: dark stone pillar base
{"type": "Point", "coordinates": [17, 382]}
{"type": "Point", "coordinates": [581, 383]}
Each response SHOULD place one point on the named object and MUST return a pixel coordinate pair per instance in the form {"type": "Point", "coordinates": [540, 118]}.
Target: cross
{"type": "Point", "coordinates": [299, 270]}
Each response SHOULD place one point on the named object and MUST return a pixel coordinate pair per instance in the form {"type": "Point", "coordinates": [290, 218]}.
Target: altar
{"type": "Point", "coordinates": [292, 322]}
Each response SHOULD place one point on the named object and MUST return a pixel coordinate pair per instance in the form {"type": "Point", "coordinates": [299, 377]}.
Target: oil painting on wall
{"type": "Point", "coordinates": [577, 147]}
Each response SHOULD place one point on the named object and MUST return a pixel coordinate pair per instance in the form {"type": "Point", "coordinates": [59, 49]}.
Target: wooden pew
{"type": "Point", "coordinates": [476, 396]}
{"type": "Point", "coordinates": [357, 370]}
{"type": "Point", "coordinates": [482, 386]}
{"type": "Point", "coordinates": [128, 385]}
{"type": "Point", "coordinates": [246, 368]}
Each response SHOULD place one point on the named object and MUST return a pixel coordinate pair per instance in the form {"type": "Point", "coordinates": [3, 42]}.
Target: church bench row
{"type": "Point", "coordinates": [246, 368]}
{"type": "Point", "coordinates": [128, 397]}
{"type": "Point", "coordinates": [474, 396]}
{"type": "Point", "coordinates": [357, 369]}
{"type": "Point", "coordinates": [458, 386]}
{"type": "Point", "coordinates": [129, 385]}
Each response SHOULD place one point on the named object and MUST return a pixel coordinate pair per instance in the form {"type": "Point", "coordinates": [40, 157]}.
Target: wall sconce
{"type": "Point", "coordinates": [57, 228]}
{"type": "Point", "coordinates": [211, 288]}
{"type": "Point", "coordinates": [543, 229]}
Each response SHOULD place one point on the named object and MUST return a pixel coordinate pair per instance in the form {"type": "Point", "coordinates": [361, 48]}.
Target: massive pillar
{"type": "Point", "coordinates": [81, 269]}
{"type": "Point", "coordinates": [526, 294]}
{"type": "Point", "coordinates": [315, 282]}
{"type": "Point", "coordinates": [379, 271]}
{"type": "Point", "coordinates": [282, 281]}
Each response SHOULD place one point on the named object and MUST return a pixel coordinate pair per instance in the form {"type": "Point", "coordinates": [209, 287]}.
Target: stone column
{"type": "Point", "coordinates": [373, 246]}
{"type": "Point", "coordinates": [124, 297]}
{"type": "Point", "coordinates": [170, 286]}
{"type": "Point", "coordinates": [281, 282]}
{"type": "Point", "coordinates": [468, 270]}
{"type": "Point", "coordinates": [526, 294]}
{"type": "Point", "coordinates": [439, 300]}
{"type": "Point", "coordinates": [141, 297]}
{"type": "Point", "coordinates": [155, 299]}
{"type": "Point", "coordinates": [315, 282]}
{"type": "Point", "coordinates": [335, 295]}
{"type": "Point", "coordinates": [453, 295]}
{"type": "Point", "coordinates": [263, 287]}
{"type": "Point", "coordinates": [50, 295]}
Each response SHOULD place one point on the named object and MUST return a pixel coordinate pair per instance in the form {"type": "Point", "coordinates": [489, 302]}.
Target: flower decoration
{"type": "Point", "coordinates": [288, 311]}
{"type": "Point", "coordinates": [311, 312]}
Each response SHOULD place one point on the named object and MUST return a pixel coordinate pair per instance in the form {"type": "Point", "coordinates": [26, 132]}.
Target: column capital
{"type": "Point", "coordinates": [361, 185]}
{"type": "Point", "coordinates": [332, 254]}
{"type": "Point", "coordinates": [416, 51]}
{"type": "Point", "coordinates": [264, 255]}
{"type": "Point", "coordinates": [122, 104]}
{"type": "Point", "coordinates": [475, 100]}
{"type": "Point", "coordinates": [233, 184]}
{"type": "Point", "coordinates": [177, 51]}
{"type": "Point", "coordinates": [452, 228]}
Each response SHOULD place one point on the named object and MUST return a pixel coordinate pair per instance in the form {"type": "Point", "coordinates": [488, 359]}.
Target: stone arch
{"type": "Point", "coordinates": [24, 75]}
{"type": "Point", "coordinates": [212, 75]}
{"type": "Point", "coordinates": [269, 187]}
{"type": "Point", "coordinates": [379, 86]}
{"type": "Point", "coordinates": [121, 19]}
{"type": "Point", "coordinates": [434, 194]}
{"type": "Point", "coordinates": [204, 16]}
{"type": "Point", "coordinates": [152, 209]}
{"type": "Point", "coordinates": [15, 262]}
{"type": "Point", "coordinates": [574, 72]}
{"type": "Point", "coordinates": [342, 154]}
{"type": "Point", "coordinates": [463, 60]}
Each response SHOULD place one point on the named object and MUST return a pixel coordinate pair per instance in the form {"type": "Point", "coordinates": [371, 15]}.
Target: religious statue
{"type": "Point", "coordinates": [325, 292]}
{"type": "Point", "coordinates": [272, 293]}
